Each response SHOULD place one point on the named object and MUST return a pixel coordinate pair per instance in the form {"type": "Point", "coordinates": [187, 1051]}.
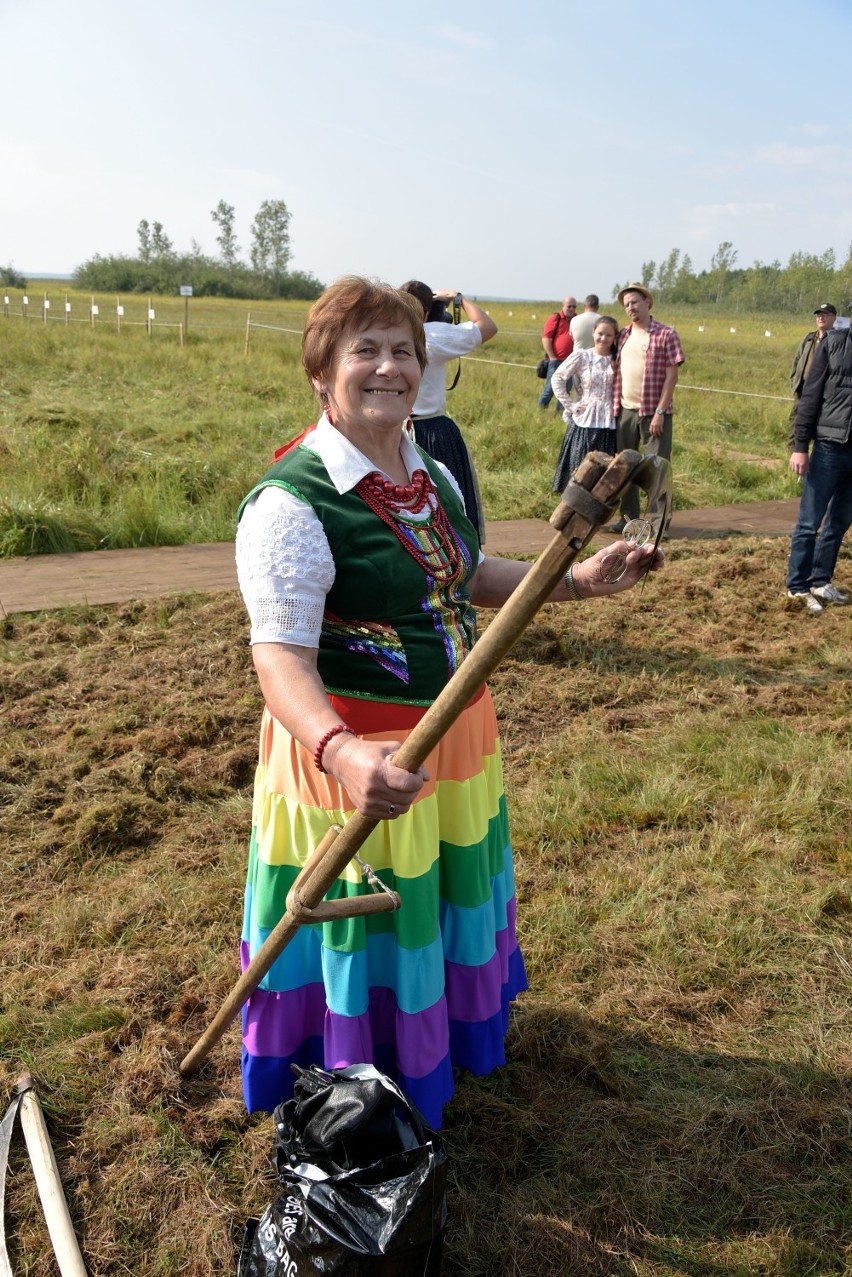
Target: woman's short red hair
{"type": "Point", "coordinates": [356, 302]}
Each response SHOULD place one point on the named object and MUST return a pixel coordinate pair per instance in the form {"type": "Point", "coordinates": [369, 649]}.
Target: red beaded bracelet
{"type": "Point", "coordinates": [329, 735]}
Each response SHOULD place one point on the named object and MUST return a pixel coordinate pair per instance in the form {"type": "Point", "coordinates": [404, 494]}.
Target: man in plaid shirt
{"type": "Point", "coordinates": [649, 356]}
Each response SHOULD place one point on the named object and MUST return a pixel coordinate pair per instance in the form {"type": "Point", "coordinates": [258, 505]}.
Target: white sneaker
{"type": "Point", "coordinates": [808, 600]}
{"type": "Point", "coordinates": [829, 593]}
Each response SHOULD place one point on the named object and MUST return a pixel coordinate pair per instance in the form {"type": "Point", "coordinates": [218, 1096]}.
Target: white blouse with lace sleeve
{"type": "Point", "coordinates": [284, 567]}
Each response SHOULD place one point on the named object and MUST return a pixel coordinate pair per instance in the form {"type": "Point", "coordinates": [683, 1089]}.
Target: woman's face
{"type": "Point", "coordinates": [374, 378]}
{"type": "Point", "coordinates": [604, 337]}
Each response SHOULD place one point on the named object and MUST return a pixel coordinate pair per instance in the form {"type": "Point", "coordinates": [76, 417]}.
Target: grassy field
{"type": "Point", "coordinates": [114, 440]}
{"type": "Point", "coordinates": [676, 1101]}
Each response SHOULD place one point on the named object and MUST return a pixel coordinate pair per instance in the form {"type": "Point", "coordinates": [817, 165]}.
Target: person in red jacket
{"type": "Point", "coordinates": [558, 343]}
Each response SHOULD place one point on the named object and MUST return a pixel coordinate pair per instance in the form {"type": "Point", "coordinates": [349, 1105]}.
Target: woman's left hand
{"type": "Point", "coordinates": [590, 575]}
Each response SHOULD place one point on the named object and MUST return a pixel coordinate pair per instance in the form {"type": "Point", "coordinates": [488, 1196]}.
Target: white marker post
{"type": "Point", "coordinates": [67, 309]}
{"type": "Point", "coordinates": [151, 317]}
{"type": "Point", "coordinates": [25, 301]}
{"type": "Point", "coordinates": [45, 307]}
{"type": "Point", "coordinates": [119, 311]}
{"type": "Point", "coordinates": [186, 293]}
{"type": "Point", "coordinates": [94, 311]}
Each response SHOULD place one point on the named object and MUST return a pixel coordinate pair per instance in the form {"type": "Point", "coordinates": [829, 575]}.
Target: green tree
{"type": "Point", "coordinates": [667, 273]}
{"type": "Point", "coordinates": [161, 245]}
{"type": "Point", "coordinates": [11, 278]}
{"type": "Point", "coordinates": [223, 216]}
{"type": "Point", "coordinates": [270, 240]}
{"type": "Point", "coordinates": [143, 234]}
{"type": "Point", "coordinates": [721, 263]}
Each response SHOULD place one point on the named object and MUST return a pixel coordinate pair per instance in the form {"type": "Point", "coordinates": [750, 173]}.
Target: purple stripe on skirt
{"type": "Point", "coordinates": [275, 1025]}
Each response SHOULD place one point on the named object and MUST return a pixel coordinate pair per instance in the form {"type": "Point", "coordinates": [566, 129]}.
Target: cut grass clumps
{"type": "Point", "coordinates": [676, 1095]}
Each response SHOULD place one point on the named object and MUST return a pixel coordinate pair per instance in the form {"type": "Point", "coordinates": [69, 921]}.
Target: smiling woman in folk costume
{"type": "Point", "coordinates": [359, 569]}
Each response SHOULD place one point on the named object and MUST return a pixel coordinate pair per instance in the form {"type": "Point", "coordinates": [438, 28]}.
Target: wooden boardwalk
{"type": "Point", "coordinates": [42, 581]}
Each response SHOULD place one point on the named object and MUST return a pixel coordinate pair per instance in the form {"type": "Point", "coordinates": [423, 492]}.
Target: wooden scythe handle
{"type": "Point", "coordinates": [603, 476]}
{"type": "Point", "coordinates": [49, 1185]}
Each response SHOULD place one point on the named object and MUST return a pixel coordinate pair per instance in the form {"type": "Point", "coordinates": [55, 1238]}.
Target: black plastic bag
{"type": "Point", "coordinates": [542, 367]}
{"type": "Point", "coordinates": [363, 1183]}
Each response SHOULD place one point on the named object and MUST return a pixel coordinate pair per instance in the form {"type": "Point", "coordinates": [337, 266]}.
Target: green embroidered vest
{"type": "Point", "coordinates": [388, 633]}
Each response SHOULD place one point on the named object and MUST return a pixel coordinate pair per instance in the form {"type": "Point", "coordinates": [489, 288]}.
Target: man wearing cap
{"type": "Point", "coordinates": [558, 343]}
{"type": "Point", "coordinates": [650, 355]}
{"type": "Point", "coordinates": [824, 418]}
{"type": "Point", "coordinates": [826, 315]}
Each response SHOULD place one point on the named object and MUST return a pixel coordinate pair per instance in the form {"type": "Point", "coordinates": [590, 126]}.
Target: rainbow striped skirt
{"type": "Point", "coordinates": [420, 991]}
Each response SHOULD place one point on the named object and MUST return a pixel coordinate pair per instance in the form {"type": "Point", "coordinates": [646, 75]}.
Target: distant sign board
{"type": "Point", "coordinates": [186, 290]}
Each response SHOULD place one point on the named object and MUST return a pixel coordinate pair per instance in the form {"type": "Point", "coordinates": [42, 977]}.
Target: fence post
{"type": "Point", "coordinates": [67, 309]}
{"type": "Point", "coordinates": [248, 330]}
{"type": "Point", "coordinates": [25, 301]}
{"type": "Point", "coordinates": [45, 308]}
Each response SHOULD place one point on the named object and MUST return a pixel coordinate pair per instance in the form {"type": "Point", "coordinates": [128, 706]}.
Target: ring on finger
{"type": "Point", "coordinates": [391, 809]}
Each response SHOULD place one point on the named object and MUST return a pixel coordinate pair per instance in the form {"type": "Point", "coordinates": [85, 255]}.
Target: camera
{"type": "Point", "coordinates": [440, 313]}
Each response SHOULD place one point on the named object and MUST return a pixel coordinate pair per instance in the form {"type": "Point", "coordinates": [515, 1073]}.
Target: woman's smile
{"type": "Point", "coordinates": [374, 379]}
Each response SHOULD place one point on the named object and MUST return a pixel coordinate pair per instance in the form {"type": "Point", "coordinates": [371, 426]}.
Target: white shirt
{"type": "Point", "coordinates": [284, 562]}
{"type": "Point", "coordinates": [444, 342]}
{"type": "Point", "coordinates": [583, 329]}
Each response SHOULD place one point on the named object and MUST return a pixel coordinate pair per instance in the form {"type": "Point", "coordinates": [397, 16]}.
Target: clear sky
{"type": "Point", "coordinates": [502, 148]}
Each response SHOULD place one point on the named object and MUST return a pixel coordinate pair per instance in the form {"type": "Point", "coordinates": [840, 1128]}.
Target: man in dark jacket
{"type": "Point", "coordinates": [824, 417]}
{"type": "Point", "coordinates": [826, 314]}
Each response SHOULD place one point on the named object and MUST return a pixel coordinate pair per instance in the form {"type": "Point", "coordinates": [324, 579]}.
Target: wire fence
{"type": "Point", "coordinates": [508, 363]}
{"type": "Point", "coordinates": [119, 314]}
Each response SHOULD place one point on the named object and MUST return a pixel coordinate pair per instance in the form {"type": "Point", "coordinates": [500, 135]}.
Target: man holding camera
{"type": "Point", "coordinates": [435, 431]}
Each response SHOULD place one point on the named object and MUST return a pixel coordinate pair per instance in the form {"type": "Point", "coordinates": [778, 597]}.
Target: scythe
{"type": "Point", "coordinates": [66, 1248]}
{"type": "Point", "coordinates": [588, 502]}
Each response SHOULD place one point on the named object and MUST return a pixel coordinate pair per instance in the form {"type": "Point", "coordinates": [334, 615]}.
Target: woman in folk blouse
{"type": "Point", "coordinates": [590, 418]}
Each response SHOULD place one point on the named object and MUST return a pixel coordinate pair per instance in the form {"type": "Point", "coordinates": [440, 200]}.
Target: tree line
{"type": "Point", "coordinates": [158, 268]}
{"type": "Point", "coordinates": [807, 280]}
